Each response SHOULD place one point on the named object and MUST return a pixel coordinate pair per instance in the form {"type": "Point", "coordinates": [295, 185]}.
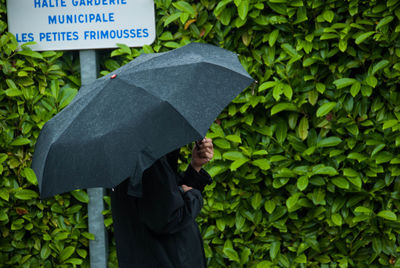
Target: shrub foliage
{"type": "Point", "coordinates": [306, 167]}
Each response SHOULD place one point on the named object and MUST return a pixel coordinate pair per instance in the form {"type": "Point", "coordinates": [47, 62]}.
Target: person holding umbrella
{"type": "Point", "coordinates": [123, 125]}
{"type": "Point", "coordinates": [159, 228]}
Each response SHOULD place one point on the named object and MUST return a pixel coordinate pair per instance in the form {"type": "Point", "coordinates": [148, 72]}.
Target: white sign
{"type": "Point", "coordinates": [81, 24]}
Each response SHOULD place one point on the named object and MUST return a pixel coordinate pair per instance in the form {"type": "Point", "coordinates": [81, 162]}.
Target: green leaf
{"type": "Point", "coordinates": [323, 170]}
{"type": "Point", "coordinates": [222, 143]}
{"type": "Point", "coordinates": [341, 182]}
{"type": "Point", "coordinates": [356, 181]}
{"type": "Point", "coordinates": [267, 85]}
{"type": "Point", "coordinates": [355, 88]}
{"type": "Point", "coordinates": [383, 157]}
{"type": "Point", "coordinates": [303, 128]}
{"type": "Point", "coordinates": [361, 38]}
{"type": "Point", "coordinates": [3, 216]}
{"type": "Point", "coordinates": [313, 97]}
{"type": "Point", "coordinates": [361, 209]}
{"type": "Point", "coordinates": [13, 92]}
{"type": "Point", "coordinates": [66, 253]}
{"type": "Point", "coordinates": [238, 163]}
{"type": "Point", "coordinates": [301, 15]}
{"type": "Point", "coordinates": [377, 245]}
{"type": "Point", "coordinates": [384, 21]}
{"type": "Point", "coordinates": [390, 123]}
{"type": "Point", "coordinates": [263, 164]}
{"type": "Point", "coordinates": [318, 197]}
{"type": "Point", "coordinates": [278, 213]}
{"type": "Point", "coordinates": [240, 221]}
{"type": "Point", "coordinates": [81, 196]}
{"type": "Point", "coordinates": [329, 142]}
{"type": "Point", "coordinates": [387, 215]}
{"type": "Point", "coordinates": [10, 83]}
{"type": "Point", "coordinates": [75, 261]}
{"type": "Point", "coordinates": [243, 8]}
{"type": "Point", "coordinates": [234, 138]}
{"type": "Point", "coordinates": [377, 149]}
{"type": "Point", "coordinates": [20, 142]}
{"type": "Point", "coordinates": [290, 50]}
{"type": "Point", "coordinates": [269, 206]}
{"type": "Point", "coordinates": [301, 259]}
{"type": "Point", "coordinates": [292, 201]}
{"type": "Point", "coordinates": [371, 81]}
{"type": "Point", "coordinates": [124, 49]}
{"type": "Point", "coordinates": [274, 250]}
{"type": "Point", "coordinates": [173, 17]}
{"type": "Point", "coordinates": [4, 194]}
{"type": "Point", "coordinates": [233, 155]}
{"type": "Point", "coordinates": [30, 53]}
{"type": "Point", "coordinates": [3, 157]}
{"type": "Point", "coordinates": [67, 95]}
{"type": "Point", "coordinates": [283, 106]}
{"type": "Point", "coordinates": [337, 219]}
{"type": "Point", "coordinates": [320, 87]}
{"type": "Point", "coordinates": [256, 201]}
{"type": "Point", "coordinates": [82, 253]}
{"type": "Point", "coordinates": [328, 15]}
{"type": "Point", "coordinates": [281, 131]}
{"type": "Point", "coordinates": [343, 45]}
{"type": "Point", "coordinates": [278, 8]}
{"type": "Point", "coordinates": [273, 36]}
{"type": "Point", "coordinates": [302, 183]}
{"type": "Point", "coordinates": [308, 62]}
{"type": "Point", "coordinates": [277, 91]}
{"type": "Point", "coordinates": [391, 3]}
{"type": "Point", "coordinates": [230, 252]}
{"type": "Point", "coordinates": [30, 176]}
{"type": "Point", "coordinates": [220, 224]}
{"type": "Point", "coordinates": [88, 235]}
{"type": "Point", "coordinates": [357, 156]}
{"type": "Point", "coordinates": [185, 7]}
{"type": "Point", "coordinates": [45, 251]}
{"type": "Point", "coordinates": [244, 256]}
{"type": "Point", "coordinates": [348, 172]}
{"type": "Point", "coordinates": [287, 91]}
{"type": "Point", "coordinates": [220, 7]}
{"type": "Point", "coordinates": [26, 194]}
{"type": "Point", "coordinates": [344, 82]}
{"type": "Point", "coordinates": [325, 108]}
{"type": "Point", "coordinates": [380, 65]}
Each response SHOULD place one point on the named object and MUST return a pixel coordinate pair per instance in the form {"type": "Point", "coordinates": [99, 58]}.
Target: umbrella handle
{"type": "Point", "coordinates": [198, 144]}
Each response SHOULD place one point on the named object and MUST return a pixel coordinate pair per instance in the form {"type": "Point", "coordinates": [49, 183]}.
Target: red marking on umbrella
{"type": "Point", "coordinates": [113, 76]}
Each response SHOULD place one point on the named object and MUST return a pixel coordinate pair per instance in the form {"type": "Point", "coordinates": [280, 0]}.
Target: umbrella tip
{"type": "Point", "coordinates": [113, 76]}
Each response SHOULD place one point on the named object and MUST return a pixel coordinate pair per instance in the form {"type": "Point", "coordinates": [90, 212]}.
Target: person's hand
{"type": "Point", "coordinates": [202, 154]}
{"type": "Point", "coordinates": [186, 188]}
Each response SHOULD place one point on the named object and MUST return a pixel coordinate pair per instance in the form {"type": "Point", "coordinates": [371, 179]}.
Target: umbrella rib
{"type": "Point", "coordinates": [163, 54]}
{"type": "Point", "coordinates": [163, 100]}
{"type": "Point", "coordinates": [194, 129]}
{"type": "Point", "coordinates": [127, 82]}
{"type": "Point", "coordinates": [205, 61]}
{"type": "Point", "coordinates": [67, 126]}
{"type": "Point", "coordinates": [79, 112]}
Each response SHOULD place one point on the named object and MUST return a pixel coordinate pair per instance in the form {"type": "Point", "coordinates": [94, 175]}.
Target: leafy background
{"type": "Point", "coordinates": [306, 167]}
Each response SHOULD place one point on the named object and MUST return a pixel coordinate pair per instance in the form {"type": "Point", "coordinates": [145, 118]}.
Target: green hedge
{"type": "Point", "coordinates": [306, 168]}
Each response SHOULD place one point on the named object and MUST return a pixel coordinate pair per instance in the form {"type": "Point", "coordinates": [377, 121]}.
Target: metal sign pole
{"type": "Point", "coordinates": [97, 247]}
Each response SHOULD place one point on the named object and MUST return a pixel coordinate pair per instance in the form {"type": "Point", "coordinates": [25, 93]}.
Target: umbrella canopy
{"type": "Point", "coordinates": [117, 126]}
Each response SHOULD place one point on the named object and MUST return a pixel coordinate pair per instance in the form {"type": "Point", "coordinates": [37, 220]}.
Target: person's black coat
{"type": "Point", "coordinates": [159, 229]}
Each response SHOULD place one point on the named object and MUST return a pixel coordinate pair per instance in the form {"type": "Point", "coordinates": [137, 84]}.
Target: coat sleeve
{"type": "Point", "coordinates": [164, 208]}
{"type": "Point", "coordinates": [196, 179]}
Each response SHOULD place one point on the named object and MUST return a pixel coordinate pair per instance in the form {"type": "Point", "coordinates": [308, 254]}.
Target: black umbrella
{"type": "Point", "coordinates": [117, 126]}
